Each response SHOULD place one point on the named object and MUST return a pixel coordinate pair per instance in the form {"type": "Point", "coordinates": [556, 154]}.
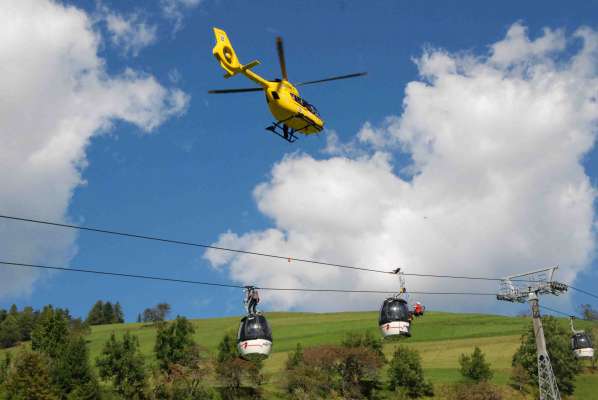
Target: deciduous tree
{"type": "Point", "coordinates": [564, 363]}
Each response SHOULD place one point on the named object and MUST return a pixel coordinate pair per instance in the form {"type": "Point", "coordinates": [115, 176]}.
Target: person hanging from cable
{"type": "Point", "coordinates": [252, 298]}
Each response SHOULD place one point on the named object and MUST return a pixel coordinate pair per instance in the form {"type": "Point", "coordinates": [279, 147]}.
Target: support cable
{"type": "Point", "coordinates": [167, 279]}
{"type": "Point", "coordinates": [238, 251]}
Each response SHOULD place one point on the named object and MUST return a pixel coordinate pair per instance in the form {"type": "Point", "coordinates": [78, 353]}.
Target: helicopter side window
{"type": "Point", "coordinates": [305, 104]}
{"type": "Point", "coordinates": [275, 95]}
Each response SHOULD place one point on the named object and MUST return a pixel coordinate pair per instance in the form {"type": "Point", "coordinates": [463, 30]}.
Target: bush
{"type": "Point", "coordinates": [519, 379]}
{"type": "Point", "coordinates": [564, 363]}
{"type": "Point", "coordinates": [406, 374]}
{"type": "Point", "coordinates": [474, 391]}
{"type": "Point", "coordinates": [5, 367]}
{"type": "Point", "coordinates": [183, 383]}
{"type": "Point", "coordinates": [331, 371]}
{"type": "Point", "coordinates": [475, 367]}
{"type": "Point", "coordinates": [366, 340]}
{"type": "Point", "coordinates": [233, 371]}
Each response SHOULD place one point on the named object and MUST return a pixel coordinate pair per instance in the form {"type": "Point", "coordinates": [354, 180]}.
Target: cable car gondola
{"type": "Point", "coordinates": [254, 340]}
{"type": "Point", "coordinates": [581, 343]}
{"type": "Point", "coordinates": [395, 318]}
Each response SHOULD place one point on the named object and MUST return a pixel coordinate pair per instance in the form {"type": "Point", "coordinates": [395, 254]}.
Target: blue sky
{"type": "Point", "coordinates": [192, 178]}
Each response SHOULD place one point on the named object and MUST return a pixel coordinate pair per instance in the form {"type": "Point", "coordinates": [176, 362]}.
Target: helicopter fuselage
{"type": "Point", "coordinates": [288, 107]}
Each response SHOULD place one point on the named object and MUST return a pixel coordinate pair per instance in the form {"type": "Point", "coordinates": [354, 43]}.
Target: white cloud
{"type": "Point", "coordinates": [130, 33]}
{"type": "Point", "coordinates": [175, 10]}
{"type": "Point", "coordinates": [56, 95]}
{"type": "Point", "coordinates": [497, 185]}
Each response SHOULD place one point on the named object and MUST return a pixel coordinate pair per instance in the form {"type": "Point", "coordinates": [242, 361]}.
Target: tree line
{"type": "Point", "coordinates": [105, 313]}
{"type": "Point", "coordinates": [57, 366]}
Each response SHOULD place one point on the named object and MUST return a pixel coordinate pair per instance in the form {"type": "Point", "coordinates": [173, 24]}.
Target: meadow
{"type": "Point", "coordinates": [439, 337]}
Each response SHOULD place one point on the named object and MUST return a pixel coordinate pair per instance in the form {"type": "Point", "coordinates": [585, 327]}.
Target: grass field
{"type": "Point", "coordinates": [439, 337]}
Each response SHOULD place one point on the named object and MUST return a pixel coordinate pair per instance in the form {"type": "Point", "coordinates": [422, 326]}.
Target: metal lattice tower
{"type": "Point", "coordinates": [527, 287]}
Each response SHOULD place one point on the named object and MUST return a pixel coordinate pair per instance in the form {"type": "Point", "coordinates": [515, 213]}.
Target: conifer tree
{"type": "Point", "coordinates": [30, 378]}
{"type": "Point", "coordinates": [51, 332]}
{"type": "Point", "coordinates": [108, 313]}
{"type": "Point", "coordinates": [406, 374]}
{"type": "Point", "coordinates": [27, 319]}
{"type": "Point", "coordinates": [474, 367]}
{"type": "Point", "coordinates": [123, 364]}
{"type": "Point", "coordinates": [9, 331]}
{"type": "Point", "coordinates": [96, 314]}
{"type": "Point", "coordinates": [175, 344]}
{"type": "Point", "coordinates": [119, 316]}
{"type": "Point", "coordinates": [71, 372]}
{"type": "Point", "coordinates": [13, 310]}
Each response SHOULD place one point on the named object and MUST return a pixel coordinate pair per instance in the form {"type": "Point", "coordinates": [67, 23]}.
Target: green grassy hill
{"type": "Point", "coordinates": [439, 337]}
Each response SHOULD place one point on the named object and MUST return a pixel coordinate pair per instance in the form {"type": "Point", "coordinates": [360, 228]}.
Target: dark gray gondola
{"type": "Point", "coordinates": [395, 318]}
{"type": "Point", "coordinates": [254, 339]}
{"type": "Point", "coordinates": [582, 345]}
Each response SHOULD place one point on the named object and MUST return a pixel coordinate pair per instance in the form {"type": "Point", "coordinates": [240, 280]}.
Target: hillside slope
{"type": "Point", "coordinates": [439, 337]}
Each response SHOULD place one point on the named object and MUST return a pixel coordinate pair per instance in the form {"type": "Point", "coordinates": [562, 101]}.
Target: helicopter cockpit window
{"type": "Point", "coordinates": [305, 104]}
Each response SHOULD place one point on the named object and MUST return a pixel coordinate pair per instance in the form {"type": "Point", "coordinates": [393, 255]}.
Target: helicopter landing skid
{"type": "Point", "coordinates": [281, 129]}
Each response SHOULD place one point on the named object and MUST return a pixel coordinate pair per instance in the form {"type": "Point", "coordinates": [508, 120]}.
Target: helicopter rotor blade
{"type": "Point", "coordinates": [334, 78]}
{"type": "Point", "coordinates": [283, 65]}
{"type": "Point", "coordinates": [224, 91]}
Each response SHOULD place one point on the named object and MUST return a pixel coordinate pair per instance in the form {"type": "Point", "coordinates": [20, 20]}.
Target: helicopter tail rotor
{"type": "Point", "coordinates": [225, 54]}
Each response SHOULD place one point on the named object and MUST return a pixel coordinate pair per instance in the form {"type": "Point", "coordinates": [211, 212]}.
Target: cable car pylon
{"type": "Point", "coordinates": [534, 284]}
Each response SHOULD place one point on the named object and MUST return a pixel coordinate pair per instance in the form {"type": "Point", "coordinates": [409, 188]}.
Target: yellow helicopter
{"type": "Point", "coordinates": [293, 114]}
